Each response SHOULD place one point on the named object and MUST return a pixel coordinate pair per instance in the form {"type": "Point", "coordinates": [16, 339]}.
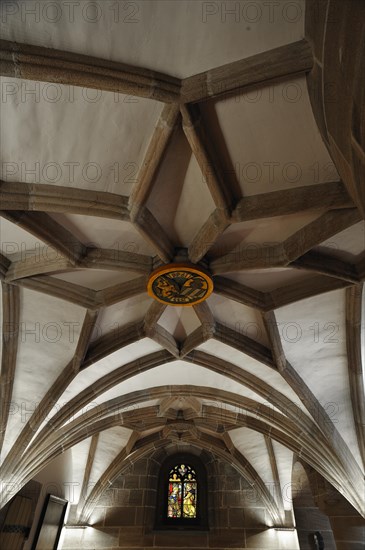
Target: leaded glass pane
{"type": "Point", "coordinates": [189, 506]}
{"type": "Point", "coordinates": [182, 492]}
{"type": "Point", "coordinates": [174, 500]}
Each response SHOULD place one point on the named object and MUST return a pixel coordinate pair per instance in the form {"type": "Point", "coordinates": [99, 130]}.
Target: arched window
{"type": "Point", "coordinates": [182, 494]}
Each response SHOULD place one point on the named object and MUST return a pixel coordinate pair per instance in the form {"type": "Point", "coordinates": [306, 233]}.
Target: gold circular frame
{"type": "Point", "coordinates": [180, 285]}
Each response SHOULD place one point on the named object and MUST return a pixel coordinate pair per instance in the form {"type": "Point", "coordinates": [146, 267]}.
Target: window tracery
{"type": "Point", "coordinates": [182, 492]}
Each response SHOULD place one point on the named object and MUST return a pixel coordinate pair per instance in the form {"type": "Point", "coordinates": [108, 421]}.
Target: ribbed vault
{"type": "Point", "coordinates": [177, 162]}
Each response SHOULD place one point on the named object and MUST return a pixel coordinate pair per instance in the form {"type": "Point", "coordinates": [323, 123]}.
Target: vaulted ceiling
{"type": "Point", "coordinates": [184, 135]}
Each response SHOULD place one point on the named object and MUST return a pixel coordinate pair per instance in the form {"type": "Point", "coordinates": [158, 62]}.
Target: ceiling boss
{"type": "Point", "coordinates": [180, 285]}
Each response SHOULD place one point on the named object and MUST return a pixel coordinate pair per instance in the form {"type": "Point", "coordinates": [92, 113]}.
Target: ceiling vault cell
{"type": "Point", "coordinates": [216, 338]}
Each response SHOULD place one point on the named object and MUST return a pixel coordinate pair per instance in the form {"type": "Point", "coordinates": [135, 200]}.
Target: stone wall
{"type": "Point", "coordinates": [348, 527]}
{"type": "Point", "coordinates": [21, 515]}
{"type": "Point", "coordinates": [320, 507]}
{"type": "Point", "coordinates": [308, 517]}
{"type": "Point", "coordinates": [125, 516]}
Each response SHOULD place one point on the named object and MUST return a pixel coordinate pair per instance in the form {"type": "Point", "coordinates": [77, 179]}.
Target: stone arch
{"type": "Point", "coordinates": [201, 521]}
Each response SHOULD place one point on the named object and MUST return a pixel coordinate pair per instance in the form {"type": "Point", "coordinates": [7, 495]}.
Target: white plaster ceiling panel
{"type": "Point", "coordinates": [161, 35]}
{"type": "Point", "coordinates": [180, 193]}
{"type": "Point", "coordinates": [49, 332]}
{"type": "Point", "coordinates": [110, 443]}
{"type": "Point", "coordinates": [15, 242]}
{"type": "Point", "coordinates": [273, 142]}
{"type": "Point", "coordinates": [100, 233]}
{"type": "Point", "coordinates": [179, 321]}
{"type": "Point", "coordinates": [77, 137]}
{"type": "Point", "coordinates": [314, 341]}
{"type": "Point", "coordinates": [96, 279]}
{"type": "Point", "coordinates": [253, 447]}
{"type": "Point", "coordinates": [269, 231]}
{"type": "Point", "coordinates": [195, 205]}
{"type": "Point", "coordinates": [178, 373]}
{"type": "Point", "coordinates": [94, 372]}
{"type": "Point", "coordinates": [284, 463]}
{"type": "Point", "coordinates": [121, 314]}
{"type": "Point", "coordinates": [57, 474]}
{"type": "Point", "coordinates": [53, 137]}
{"type": "Point", "coordinates": [79, 453]}
{"type": "Point", "coordinates": [165, 196]}
{"type": "Point", "coordinates": [243, 319]}
{"type": "Point", "coordinates": [131, 407]}
{"type": "Point", "coordinates": [267, 280]}
{"type": "Point", "coordinates": [272, 377]}
{"type": "Point", "coordinates": [348, 244]}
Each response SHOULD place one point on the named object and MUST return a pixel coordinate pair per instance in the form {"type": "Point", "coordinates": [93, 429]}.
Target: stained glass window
{"type": "Point", "coordinates": [182, 492]}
